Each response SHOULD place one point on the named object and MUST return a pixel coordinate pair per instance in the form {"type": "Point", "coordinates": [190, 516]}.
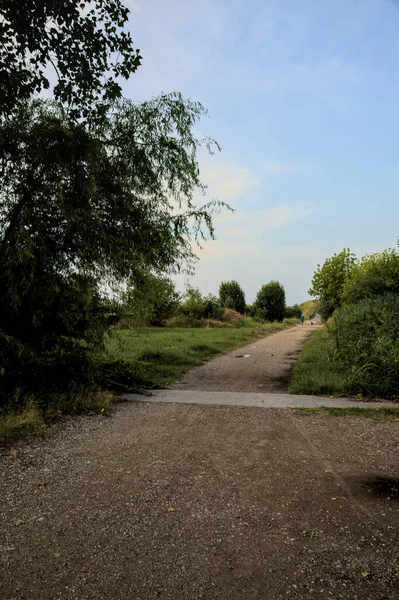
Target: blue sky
{"type": "Point", "coordinates": [303, 96]}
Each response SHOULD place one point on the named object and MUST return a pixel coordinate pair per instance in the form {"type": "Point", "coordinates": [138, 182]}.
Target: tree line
{"type": "Point", "coordinates": [155, 300]}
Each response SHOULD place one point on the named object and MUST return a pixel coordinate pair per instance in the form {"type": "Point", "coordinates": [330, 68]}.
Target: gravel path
{"type": "Point", "coordinates": [193, 502]}
{"type": "Point", "coordinates": [200, 502]}
{"type": "Point", "coordinates": [267, 368]}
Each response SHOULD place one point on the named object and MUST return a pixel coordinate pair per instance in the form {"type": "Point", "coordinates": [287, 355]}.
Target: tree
{"type": "Point", "coordinates": [152, 300]}
{"type": "Point", "coordinates": [271, 299]}
{"type": "Point", "coordinates": [84, 42]}
{"type": "Point", "coordinates": [375, 275]}
{"type": "Point", "coordinates": [329, 280]}
{"type": "Point", "coordinates": [232, 296]}
{"type": "Point", "coordinates": [80, 205]}
{"type": "Point", "coordinates": [94, 201]}
{"type": "Point", "coordinates": [94, 189]}
{"type": "Point", "coordinates": [293, 312]}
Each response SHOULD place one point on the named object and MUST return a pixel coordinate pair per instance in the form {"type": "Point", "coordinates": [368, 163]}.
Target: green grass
{"type": "Point", "coordinates": [382, 413]}
{"type": "Point", "coordinates": [319, 371]}
{"type": "Point", "coordinates": [161, 355]}
{"type": "Point", "coordinates": [316, 371]}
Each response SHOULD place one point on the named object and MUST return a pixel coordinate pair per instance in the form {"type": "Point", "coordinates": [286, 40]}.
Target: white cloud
{"type": "Point", "coordinates": [251, 225]}
{"type": "Point", "coordinates": [228, 182]}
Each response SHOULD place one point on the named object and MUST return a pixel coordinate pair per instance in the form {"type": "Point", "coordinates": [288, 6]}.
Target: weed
{"type": "Point", "coordinates": [25, 423]}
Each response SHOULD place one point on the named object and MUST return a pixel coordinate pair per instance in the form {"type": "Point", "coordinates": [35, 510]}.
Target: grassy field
{"type": "Point", "coordinates": [161, 355]}
{"type": "Point", "coordinates": [317, 372]}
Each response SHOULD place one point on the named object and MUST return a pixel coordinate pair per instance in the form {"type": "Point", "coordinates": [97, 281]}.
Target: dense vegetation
{"type": "Point", "coordinates": [95, 192]}
{"type": "Point", "coordinates": [358, 353]}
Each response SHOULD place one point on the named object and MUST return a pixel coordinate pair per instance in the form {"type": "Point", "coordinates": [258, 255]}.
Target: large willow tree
{"type": "Point", "coordinates": [93, 187]}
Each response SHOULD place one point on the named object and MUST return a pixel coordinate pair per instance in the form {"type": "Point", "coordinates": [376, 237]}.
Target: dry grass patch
{"type": "Point", "coordinates": [22, 424]}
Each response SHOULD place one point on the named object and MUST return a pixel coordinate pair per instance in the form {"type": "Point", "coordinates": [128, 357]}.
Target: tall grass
{"type": "Point", "coordinates": [358, 354]}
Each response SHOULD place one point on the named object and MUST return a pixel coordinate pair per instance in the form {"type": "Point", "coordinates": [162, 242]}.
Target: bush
{"type": "Point", "coordinates": [367, 341]}
{"type": "Point", "coordinates": [212, 307]}
{"type": "Point", "coordinates": [185, 321]}
{"type": "Point", "coordinates": [193, 305]}
{"type": "Point", "coordinates": [260, 315]}
{"type": "Point", "coordinates": [293, 312]}
{"type": "Point", "coordinates": [151, 300]}
{"type": "Point", "coordinates": [231, 316]}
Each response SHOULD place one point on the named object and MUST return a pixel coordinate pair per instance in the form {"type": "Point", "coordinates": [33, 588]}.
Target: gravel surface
{"type": "Point", "coordinates": [267, 366]}
{"type": "Point", "coordinates": [186, 502]}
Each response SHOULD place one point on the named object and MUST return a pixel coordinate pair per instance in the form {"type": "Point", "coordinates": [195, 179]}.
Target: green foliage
{"type": "Point", "coordinates": [329, 280]}
{"type": "Point", "coordinates": [293, 312]}
{"type": "Point", "coordinates": [81, 206]}
{"type": "Point", "coordinates": [193, 304]}
{"type": "Point", "coordinates": [84, 43]}
{"type": "Point", "coordinates": [367, 341]}
{"type": "Point", "coordinates": [271, 299]}
{"type": "Point", "coordinates": [197, 307]}
{"type": "Point", "coordinates": [152, 300]}
{"type": "Point", "coordinates": [260, 315]}
{"type": "Point", "coordinates": [232, 296]}
{"type": "Point", "coordinates": [358, 354]}
{"type": "Point", "coordinates": [250, 310]}
{"type": "Point", "coordinates": [291, 321]}
{"type": "Point", "coordinates": [212, 307]}
{"type": "Point", "coordinates": [374, 275]}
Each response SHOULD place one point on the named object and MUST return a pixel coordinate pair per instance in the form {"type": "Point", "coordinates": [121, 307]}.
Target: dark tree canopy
{"type": "Point", "coordinates": [271, 299]}
{"type": "Point", "coordinates": [83, 44]}
{"type": "Point", "coordinates": [232, 296]}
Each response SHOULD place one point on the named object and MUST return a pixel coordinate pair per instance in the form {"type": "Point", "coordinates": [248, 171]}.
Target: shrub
{"type": "Point", "coordinates": [193, 305]}
{"type": "Point", "coordinates": [185, 321]}
{"type": "Point", "coordinates": [375, 275]}
{"type": "Point", "coordinates": [260, 315]}
{"type": "Point", "coordinates": [151, 300]}
{"type": "Point", "coordinates": [367, 341]}
{"type": "Point", "coordinates": [293, 312]}
{"type": "Point", "coordinates": [231, 316]}
{"type": "Point", "coordinates": [212, 307]}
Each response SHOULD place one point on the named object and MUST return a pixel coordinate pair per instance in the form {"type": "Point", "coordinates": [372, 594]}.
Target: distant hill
{"type": "Point", "coordinates": [309, 308]}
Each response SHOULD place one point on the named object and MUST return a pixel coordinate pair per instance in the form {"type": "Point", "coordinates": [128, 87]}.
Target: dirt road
{"type": "Point", "coordinates": [185, 502]}
{"type": "Point", "coordinates": [263, 366]}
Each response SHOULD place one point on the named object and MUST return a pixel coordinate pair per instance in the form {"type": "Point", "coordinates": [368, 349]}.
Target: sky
{"type": "Point", "coordinates": [303, 96]}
